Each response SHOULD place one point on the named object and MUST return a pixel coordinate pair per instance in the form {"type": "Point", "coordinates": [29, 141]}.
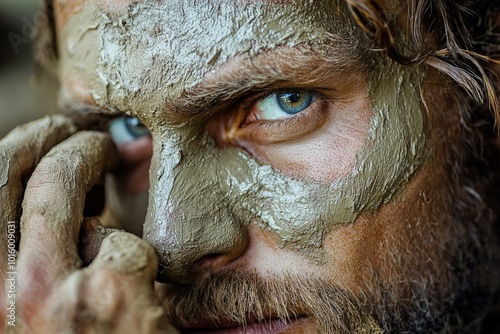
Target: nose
{"type": "Point", "coordinates": [191, 222]}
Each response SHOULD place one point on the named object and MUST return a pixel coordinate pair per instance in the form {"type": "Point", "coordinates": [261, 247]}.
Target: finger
{"type": "Point", "coordinates": [126, 254]}
{"type": "Point", "coordinates": [20, 152]}
{"type": "Point", "coordinates": [126, 266]}
{"type": "Point", "coordinates": [115, 292]}
{"type": "Point", "coordinates": [53, 210]}
{"type": "Point", "coordinates": [92, 233]}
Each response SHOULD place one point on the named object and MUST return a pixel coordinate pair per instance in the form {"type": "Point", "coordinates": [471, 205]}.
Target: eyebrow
{"type": "Point", "coordinates": [281, 68]}
{"type": "Point", "coordinates": [285, 67]}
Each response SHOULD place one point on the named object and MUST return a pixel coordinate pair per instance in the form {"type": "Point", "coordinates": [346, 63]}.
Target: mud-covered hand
{"type": "Point", "coordinates": [49, 167]}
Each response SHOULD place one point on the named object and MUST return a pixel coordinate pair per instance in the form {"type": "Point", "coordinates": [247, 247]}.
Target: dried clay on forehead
{"type": "Point", "coordinates": [157, 49]}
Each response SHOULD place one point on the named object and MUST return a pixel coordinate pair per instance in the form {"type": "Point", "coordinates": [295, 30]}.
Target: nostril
{"type": "Point", "coordinates": [208, 260]}
{"type": "Point", "coordinates": [162, 275]}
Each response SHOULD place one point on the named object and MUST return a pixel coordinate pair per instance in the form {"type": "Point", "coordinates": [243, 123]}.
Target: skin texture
{"type": "Point", "coordinates": [103, 291]}
{"type": "Point", "coordinates": [322, 225]}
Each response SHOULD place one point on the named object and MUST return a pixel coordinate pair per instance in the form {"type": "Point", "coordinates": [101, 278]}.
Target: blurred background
{"type": "Point", "coordinates": [22, 98]}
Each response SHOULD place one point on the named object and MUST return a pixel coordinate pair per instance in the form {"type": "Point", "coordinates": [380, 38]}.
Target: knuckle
{"type": "Point", "coordinates": [58, 126]}
{"type": "Point", "coordinates": [71, 162]}
{"type": "Point", "coordinates": [24, 146]}
{"type": "Point", "coordinates": [128, 255]}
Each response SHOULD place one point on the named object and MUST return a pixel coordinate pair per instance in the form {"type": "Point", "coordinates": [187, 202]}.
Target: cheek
{"type": "Point", "coordinates": [406, 240]}
{"type": "Point", "coordinates": [327, 154]}
{"type": "Point", "coordinates": [133, 174]}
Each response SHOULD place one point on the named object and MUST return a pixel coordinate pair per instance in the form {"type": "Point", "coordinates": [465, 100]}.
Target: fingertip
{"type": "Point", "coordinates": [124, 253]}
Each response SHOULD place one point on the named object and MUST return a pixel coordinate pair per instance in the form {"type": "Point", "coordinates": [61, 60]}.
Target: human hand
{"type": "Point", "coordinates": [50, 168]}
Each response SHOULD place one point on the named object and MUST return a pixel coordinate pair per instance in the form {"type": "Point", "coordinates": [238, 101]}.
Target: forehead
{"type": "Point", "coordinates": [160, 49]}
{"type": "Point", "coordinates": [114, 8]}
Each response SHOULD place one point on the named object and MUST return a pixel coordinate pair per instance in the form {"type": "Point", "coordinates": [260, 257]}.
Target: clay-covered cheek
{"type": "Point", "coordinates": [203, 197]}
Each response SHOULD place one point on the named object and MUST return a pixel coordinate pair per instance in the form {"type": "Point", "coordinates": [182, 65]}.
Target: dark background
{"type": "Point", "coordinates": [22, 97]}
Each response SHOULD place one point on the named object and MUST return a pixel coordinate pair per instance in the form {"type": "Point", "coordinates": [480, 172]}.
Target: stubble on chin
{"type": "Point", "coordinates": [239, 296]}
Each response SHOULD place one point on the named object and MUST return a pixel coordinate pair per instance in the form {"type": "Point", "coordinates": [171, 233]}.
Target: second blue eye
{"type": "Point", "coordinates": [127, 129]}
{"type": "Point", "coordinates": [135, 127]}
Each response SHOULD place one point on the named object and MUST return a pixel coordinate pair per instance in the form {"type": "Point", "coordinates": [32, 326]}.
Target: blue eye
{"type": "Point", "coordinates": [127, 129]}
{"type": "Point", "coordinates": [284, 104]}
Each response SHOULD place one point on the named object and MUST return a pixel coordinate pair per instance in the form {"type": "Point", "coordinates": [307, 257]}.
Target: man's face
{"type": "Point", "coordinates": [290, 170]}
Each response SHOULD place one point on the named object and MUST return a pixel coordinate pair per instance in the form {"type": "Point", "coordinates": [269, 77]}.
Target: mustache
{"type": "Point", "coordinates": [239, 296]}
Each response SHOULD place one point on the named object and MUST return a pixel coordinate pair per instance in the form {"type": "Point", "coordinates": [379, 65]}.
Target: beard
{"type": "Point", "coordinates": [384, 307]}
{"type": "Point", "coordinates": [238, 296]}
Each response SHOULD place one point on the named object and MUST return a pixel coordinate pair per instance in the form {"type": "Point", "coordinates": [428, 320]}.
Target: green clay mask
{"type": "Point", "coordinates": [202, 198]}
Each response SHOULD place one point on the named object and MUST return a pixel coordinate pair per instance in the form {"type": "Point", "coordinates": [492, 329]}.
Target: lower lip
{"type": "Point", "coordinates": [274, 326]}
